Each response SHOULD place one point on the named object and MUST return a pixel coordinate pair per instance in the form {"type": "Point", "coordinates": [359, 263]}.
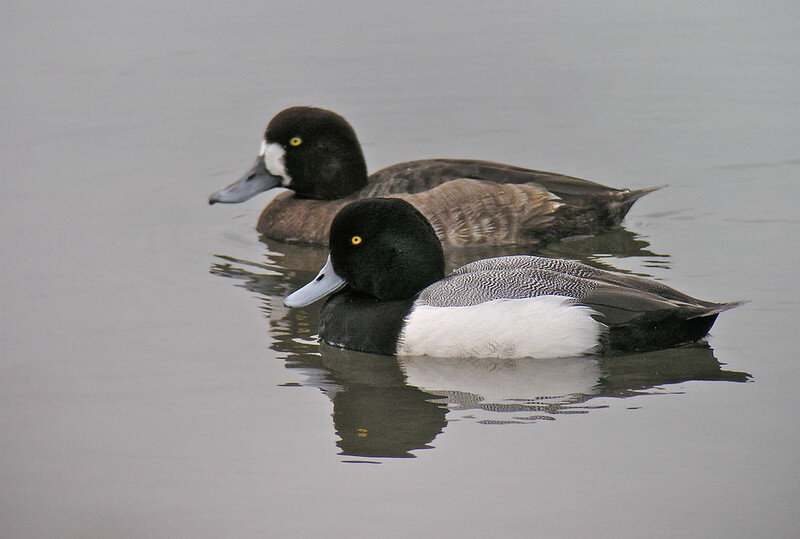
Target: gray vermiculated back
{"type": "Point", "coordinates": [569, 267]}
{"type": "Point", "coordinates": [578, 269]}
{"type": "Point", "coordinates": [477, 287]}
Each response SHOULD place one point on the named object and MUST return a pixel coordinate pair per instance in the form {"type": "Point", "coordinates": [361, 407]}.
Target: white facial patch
{"type": "Point", "coordinates": [538, 327]}
{"type": "Point", "coordinates": [274, 155]}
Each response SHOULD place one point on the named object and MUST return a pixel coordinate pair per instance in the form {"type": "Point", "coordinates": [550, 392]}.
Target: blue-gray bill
{"type": "Point", "coordinates": [325, 283]}
{"type": "Point", "coordinates": [255, 181]}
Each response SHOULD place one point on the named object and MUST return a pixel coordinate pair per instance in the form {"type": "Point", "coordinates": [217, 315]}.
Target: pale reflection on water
{"type": "Point", "coordinates": [390, 407]}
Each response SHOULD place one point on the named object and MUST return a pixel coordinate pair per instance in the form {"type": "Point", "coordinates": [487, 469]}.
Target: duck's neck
{"type": "Point", "coordinates": [379, 322]}
{"type": "Point", "coordinates": [330, 178]}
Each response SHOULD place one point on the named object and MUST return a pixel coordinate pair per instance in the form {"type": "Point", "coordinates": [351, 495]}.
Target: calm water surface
{"type": "Point", "coordinates": [152, 383]}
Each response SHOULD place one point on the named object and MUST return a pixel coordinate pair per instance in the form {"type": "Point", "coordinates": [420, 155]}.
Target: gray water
{"type": "Point", "coordinates": [152, 383]}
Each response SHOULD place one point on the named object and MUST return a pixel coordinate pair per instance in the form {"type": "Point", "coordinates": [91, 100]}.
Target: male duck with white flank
{"type": "Point", "coordinates": [315, 153]}
{"type": "Point", "coordinates": [387, 266]}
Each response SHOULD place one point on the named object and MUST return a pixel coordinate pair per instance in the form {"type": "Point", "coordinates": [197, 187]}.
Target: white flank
{"type": "Point", "coordinates": [540, 327]}
{"type": "Point", "coordinates": [274, 161]}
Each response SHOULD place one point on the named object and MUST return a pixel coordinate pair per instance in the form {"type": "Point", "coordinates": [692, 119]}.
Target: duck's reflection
{"type": "Point", "coordinates": [375, 412]}
{"type": "Point", "coordinates": [390, 407]}
{"type": "Point", "coordinates": [598, 251]}
{"type": "Point", "coordinates": [387, 407]}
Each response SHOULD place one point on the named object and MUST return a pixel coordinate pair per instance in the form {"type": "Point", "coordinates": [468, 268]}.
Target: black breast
{"type": "Point", "coordinates": [364, 323]}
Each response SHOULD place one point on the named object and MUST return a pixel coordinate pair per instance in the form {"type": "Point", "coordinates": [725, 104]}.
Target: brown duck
{"type": "Point", "coordinates": [315, 153]}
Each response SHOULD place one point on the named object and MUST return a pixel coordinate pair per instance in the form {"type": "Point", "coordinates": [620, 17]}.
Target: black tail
{"type": "Point", "coordinates": [658, 331]}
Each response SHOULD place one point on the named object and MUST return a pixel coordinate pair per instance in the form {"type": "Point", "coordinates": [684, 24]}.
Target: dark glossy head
{"type": "Point", "coordinates": [322, 157]}
{"type": "Point", "coordinates": [384, 247]}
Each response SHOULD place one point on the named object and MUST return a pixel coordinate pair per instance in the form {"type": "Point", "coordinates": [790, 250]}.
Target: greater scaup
{"type": "Point", "coordinates": [315, 153]}
{"type": "Point", "coordinates": [393, 298]}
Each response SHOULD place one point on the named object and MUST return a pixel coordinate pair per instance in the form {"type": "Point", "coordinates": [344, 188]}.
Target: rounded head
{"type": "Point", "coordinates": [384, 247]}
{"type": "Point", "coordinates": [321, 153]}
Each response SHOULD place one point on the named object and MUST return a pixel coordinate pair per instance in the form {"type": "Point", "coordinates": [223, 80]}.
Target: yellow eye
{"type": "Point", "coordinates": [355, 240]}
{"type": "Point", "coordinates": [295, 141]}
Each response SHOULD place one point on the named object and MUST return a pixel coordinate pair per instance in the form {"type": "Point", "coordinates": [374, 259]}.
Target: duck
{"type": "Point", "coordinates": [388, 295]}
{"type": "Point", "coordinates": [315, 154]}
